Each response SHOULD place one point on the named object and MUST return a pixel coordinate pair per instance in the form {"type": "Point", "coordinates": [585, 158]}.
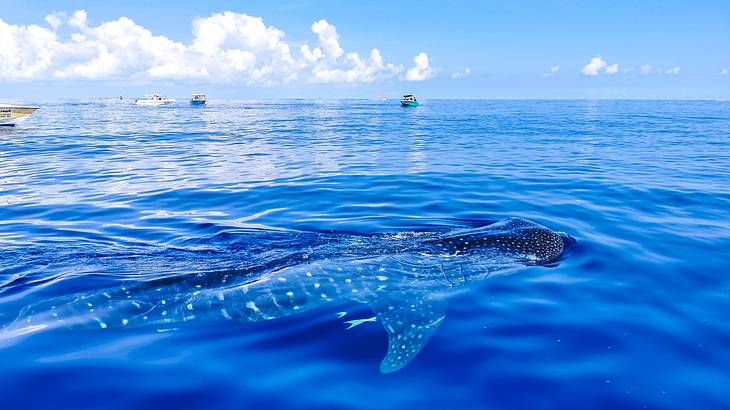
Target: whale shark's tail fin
{"type": "Point", "coordinates": [410, 321]}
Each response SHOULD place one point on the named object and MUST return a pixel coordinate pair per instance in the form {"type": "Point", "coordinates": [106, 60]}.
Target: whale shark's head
{"type": "Point", "coordinates": [527, 241]}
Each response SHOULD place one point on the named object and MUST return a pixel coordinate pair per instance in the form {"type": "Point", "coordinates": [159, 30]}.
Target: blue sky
{"type": "Point", "coordinates": [528, 49]}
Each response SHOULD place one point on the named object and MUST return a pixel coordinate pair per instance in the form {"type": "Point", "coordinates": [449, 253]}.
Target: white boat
{"type": "Point", "coordinates": [409, 100]}
{"type": "Point", "coordinates": [13, 114]}
{"type": "Point", "coordinates": [198, 99]}
{"type": "Point", "coordinates": [154, 99]}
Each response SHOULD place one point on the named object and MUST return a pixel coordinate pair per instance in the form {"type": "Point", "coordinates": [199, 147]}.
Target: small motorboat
{"type": "Point", "coordinates": [409, 100]}
{"type": "Point", "coordinates": [154, 99]}
{"type": "Point", "coordinates": [13, 114]}
{"type": "Point", "coordinates": [198, 99]}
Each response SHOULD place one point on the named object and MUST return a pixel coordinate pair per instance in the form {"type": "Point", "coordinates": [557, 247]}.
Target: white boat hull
{"type": "Point", "coordinates": [14, 114]}
{"type": "Point", "coordinates": [163, 101]}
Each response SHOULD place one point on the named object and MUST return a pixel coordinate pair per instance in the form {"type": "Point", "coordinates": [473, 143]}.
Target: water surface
{"type": "Point", "coordinates": [95, 194]}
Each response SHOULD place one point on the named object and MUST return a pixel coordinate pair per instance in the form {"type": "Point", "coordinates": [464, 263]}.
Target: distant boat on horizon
{"type": "Point", "coordinates": [198, 99]}
{"type": "Point", "coordinates": [154, 99]}
{"type": "Point", "coordinates": [14, 114]}
{"type": "Point", "coordinates": [409, 100]}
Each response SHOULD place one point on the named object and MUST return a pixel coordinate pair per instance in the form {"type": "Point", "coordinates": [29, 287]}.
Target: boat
{"type": "Point", "coordinates": [409, 100]}
{"type": "Point", "coordinates": [154, 99]}
{"type": "Point", "coordinates": [13, 114]}
{"type": "Point", "coordinates": [198, 99]}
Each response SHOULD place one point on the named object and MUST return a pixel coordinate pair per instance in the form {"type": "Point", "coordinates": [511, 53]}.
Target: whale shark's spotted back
{"type": "Point", "coordinates": [401, 277]}
{"type": "Point", "coordinates": [517, 237]}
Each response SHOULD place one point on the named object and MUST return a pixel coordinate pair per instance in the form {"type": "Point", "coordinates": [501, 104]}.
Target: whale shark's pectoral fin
{"type": "Point", "coordinates": [410, 321]}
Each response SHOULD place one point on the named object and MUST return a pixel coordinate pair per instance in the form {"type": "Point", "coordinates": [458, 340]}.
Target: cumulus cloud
{"type": "Point", "coordinates": [225, 47]}
{"type": "Point", "coordinates": [461, 74]}
{"type": "Point", "coordinates": [422, 69]}
{"type": "Point", "coordinates": [27, 51]}
{"type": "Point", "coordinates": [329, 40]}
{"type": "Point", "coordinates": [646, 69]}
{"type": "Point", "coordinates": [362, 70]}
{"type": "Point", "coordinates": [673, 71]}
{"type": "Point", "coordinates": [54, 20]}
{"type": "Point", "coordinates": [594, 66]}
{"type": "Point", "coordinates": [78, 19]}
{"type": "Point", "coordinates": [612, 69]}
{"type": "Point", "coordinates": [553, 70]}
{"type": "Point", "coordinates": [327, 59]}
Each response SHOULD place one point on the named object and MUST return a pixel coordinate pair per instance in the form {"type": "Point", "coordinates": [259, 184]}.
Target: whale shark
{"type": "Point", "coordinates": [405, 278]}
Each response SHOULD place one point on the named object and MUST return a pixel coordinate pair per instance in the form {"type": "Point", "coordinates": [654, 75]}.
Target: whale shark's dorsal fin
{"type": "Point", "coordinates": [410, 321]}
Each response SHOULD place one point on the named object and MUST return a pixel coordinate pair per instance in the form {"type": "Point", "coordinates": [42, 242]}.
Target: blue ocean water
{"type": "Point", "coordinates": [97, 194]}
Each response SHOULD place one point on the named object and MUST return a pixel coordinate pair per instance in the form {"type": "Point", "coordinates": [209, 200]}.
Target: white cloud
{"type": "Point", "coordinates": [673, 71]}
{"type": "Point", "coordinates": [327, 60]}
{"type": "Point", "coordinates": [723, 71]}
{"type": "Point", "coordinates": [226, 47]}
{"type": "Point", "coordinates": [362, 70]}
{"type": "Point", "coordinates": [646, 69]}
{"type": "Point", "coordinates": [422, 69]}
{"type": "Point", "coordinates": [329, 40]}
{"type": "Point", "coordinates": [27, 51]}
{"type": "Point", "coordinates": [54, 20]}
{"type": "Point", "coordinates": [553, 70]}
{"type": "Point", "coordinates": [612, 69]}
{"type": "Point", "coordinates": [311, 55]}
{"type": "Point", "coordinates": [594, 66]}
{"type": "Point", "coordinates": [461, 74]}
{"type": "Point", "coordinates": [78, 19]}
